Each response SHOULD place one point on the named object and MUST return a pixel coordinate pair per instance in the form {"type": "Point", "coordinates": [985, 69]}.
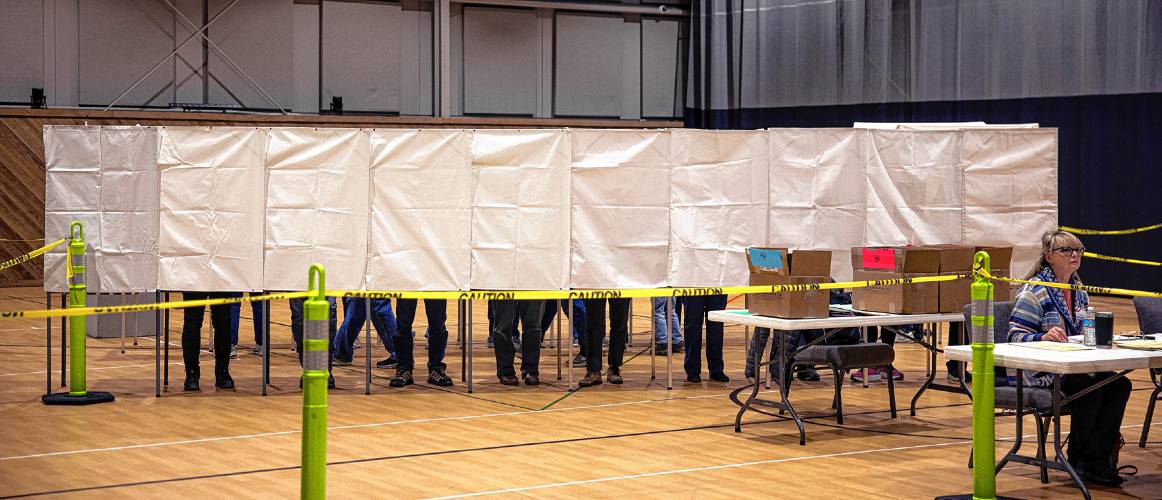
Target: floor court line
{"type": "Point", "coordinates": [724, 466]}
{"type": "Point", "coordinates": [346, 427]}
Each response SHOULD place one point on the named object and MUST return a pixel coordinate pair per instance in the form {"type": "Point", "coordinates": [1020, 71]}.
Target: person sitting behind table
{"type": "Point", "coordinates": [1042, 313]}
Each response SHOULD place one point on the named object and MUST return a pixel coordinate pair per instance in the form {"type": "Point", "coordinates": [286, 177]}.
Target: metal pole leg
{"type": "Point", "coordinates": [561, 312]}
{"type": "Point", "coordinates": [569, 361]}
{"type": "Point", "coordinates": [266, 344]}
{"type": "Point", "coordinates": [165, 362]}
{"type": "Point", "coordinates": [462, 329]}
{"type": "Point", "coordinates": [669, 345]}
{"type": "Point", "coordinates": [367, 353]}
{"type": "Point", "coordinates": [469, 344]}
{"type": "Point", "coordinates": [122, 317]}
{"type": "Point", "coordinates": [48, 345]}
{"type": "Point", "coordinates": [64, 338]}
{"type": "Point", "coordinates": [157, 346]}
{"type": "Point", "coordinates": [630, 339]}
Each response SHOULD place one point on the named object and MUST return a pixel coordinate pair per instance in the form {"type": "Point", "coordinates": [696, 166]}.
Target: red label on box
{"type": "Point", "coordinates": [879, 258]}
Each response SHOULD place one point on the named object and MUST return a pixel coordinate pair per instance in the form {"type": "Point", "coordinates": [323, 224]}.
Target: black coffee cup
{"type": "Point", "coordinates": [1104, 328]}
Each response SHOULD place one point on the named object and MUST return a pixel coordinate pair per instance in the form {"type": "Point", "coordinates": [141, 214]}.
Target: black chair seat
{"type": "Point", "coordinates": [846, 357]}
{"type": "Point", "coordinates": [1038, 398]}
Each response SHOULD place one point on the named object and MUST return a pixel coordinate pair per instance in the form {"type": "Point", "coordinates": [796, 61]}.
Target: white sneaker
{"type": "Point", "coordinates": [233, 352]}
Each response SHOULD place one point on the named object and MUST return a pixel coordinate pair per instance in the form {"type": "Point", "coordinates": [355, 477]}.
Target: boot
{"type": "Point", "coordinates": [222, 379]}
{"type": "Point", "coordinates": [192, 376]}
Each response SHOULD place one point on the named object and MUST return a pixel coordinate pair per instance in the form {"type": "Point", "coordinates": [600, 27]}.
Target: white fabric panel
{"type": "Point", "coordinates": [105, 177]}
{"type": "Point", "coordinates": [316, 206]}
{"type": "Point", "coordinates": [520, 209]}
{"type": "Point", "coordinates": [914, 189]}
{"type": "Point", "coordinates": [212, 208]}
{"type": "Point", "coordinates": [818, 191]}
{"type": "Point", "coordinates": [421, 210]}
{"type": "Point", "coordinates": [72, 159]}
{"type": "Point", "coordinates": [718, 205]}
{"type": "Point", "coordinates": [1010, 190]}
{"type": "Point", "coordinates": [620, 231]}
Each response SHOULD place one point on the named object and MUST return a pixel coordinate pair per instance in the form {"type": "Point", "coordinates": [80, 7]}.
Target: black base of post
{"type": "Point", "coordinates": [63, 398]}
{"type": "Point", "coordinates": [969, 497]}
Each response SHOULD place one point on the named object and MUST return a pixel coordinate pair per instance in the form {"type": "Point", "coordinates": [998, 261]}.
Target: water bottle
{"type": "Point", "coordinates": [1088, 332]}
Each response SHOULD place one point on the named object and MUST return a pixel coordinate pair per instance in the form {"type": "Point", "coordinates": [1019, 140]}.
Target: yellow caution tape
{"type": "Point", "coordinates": [86, 311]}
{"type": "Point", "coordinates": [1122, 259]}
{"type": "Point", "coordinates": [493, 295]}
{"type": "Point", "coordinates": [1077, 230]}
{"type": "Point", "coordinates": [31, 255]}
{"type": "Point", "coordinates": [1067, 286]}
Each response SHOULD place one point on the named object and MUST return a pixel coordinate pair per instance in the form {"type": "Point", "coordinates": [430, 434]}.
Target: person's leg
{"type": "Point", "coordinates": [220, 319]}
{"type": "Point", "coordinates": [530, 312]}
{"type": "Point", "coordinates": [618, 332]}
{"type": "Point", "coordinates": [437, 313]}
{"type": "Point", "coordinates": [385, 325]}
{"type": "Point", "coordinates": [954, 338]}
{"type": "Point", "coordinates": [192, 335]}
{"type": "Point", "coordinates": [405, 310]}
{"type": "Point", "coordinates": [1107, 426]}
{"type": "Point", "coordinates": [296, 312]}
{"type": "Point", "coordinates": [354, 314]}
{"type": "Point", "coordinates": [235, 310]}
{"type": "Point", "coordinates": [594, 333]}
{"type": "Point", "coordinates": [503, 315]}
{"type": "Point", "coordinates": [692, 308]}
{"type": "Point", "coordinates": [258, 312]}
{"type": "Point", "coordinates": [659, 305]}
{"type": "Point", "coordinates": [714, 339]}
{"type": "Point", "coordinates": [758, 343]}
{"type": "Point", "coordinates": [548, 315]}
{"type": "Point", "coordinates": [578, 319]}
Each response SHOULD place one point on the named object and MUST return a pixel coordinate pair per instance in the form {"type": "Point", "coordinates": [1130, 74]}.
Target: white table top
{"type": "Point", "coordinates": [1064, 362]}
{"type": "Point", "coordinates": [744, 317]}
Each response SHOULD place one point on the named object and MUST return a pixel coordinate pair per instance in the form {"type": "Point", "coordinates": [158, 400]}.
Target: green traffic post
{"type": "Point", "coordinates": [78, 389]}
{"type": "Point", "coordinates": [315, 374]}
{"type": "Point", "coordinates": [984, 481]}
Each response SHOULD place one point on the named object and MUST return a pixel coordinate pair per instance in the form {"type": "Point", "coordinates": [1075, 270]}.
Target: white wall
{"type": "Point", "coordinates": [21, 49]}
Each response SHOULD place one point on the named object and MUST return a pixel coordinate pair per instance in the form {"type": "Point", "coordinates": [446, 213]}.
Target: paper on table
{"type": "Point", "coordinates": [1054, 346]}
{"type": "Point", "coordinates": [1145, 345]}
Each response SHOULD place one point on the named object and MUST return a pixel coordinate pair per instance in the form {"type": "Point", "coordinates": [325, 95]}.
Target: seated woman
{"type": "Point", "coordinates": [1043, 313]}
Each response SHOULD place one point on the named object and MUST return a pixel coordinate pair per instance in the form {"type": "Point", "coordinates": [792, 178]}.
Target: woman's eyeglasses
{"type": "Point", "coordinates": [1069, 250]}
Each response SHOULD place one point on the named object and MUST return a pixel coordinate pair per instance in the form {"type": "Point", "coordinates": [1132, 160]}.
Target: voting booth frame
{"type": "Point", "coordinates": [313, 482]}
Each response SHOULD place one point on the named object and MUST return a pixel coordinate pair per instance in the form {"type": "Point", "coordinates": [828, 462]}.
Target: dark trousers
{"type": "Point", "coordinates": [1096, 417]}
{"type": "Point", "coordinates": [296, 309]}
{"type": "Point", "coordinates": [595, 333]}
{"type": "Point", "coordinates": [192, 331]}
{"type": "Point", "coordinates": [694, 311]}
{"type": "Point", "coordinates": [405, 313]}
{"type": "Point", "coordinates": [504, 313]}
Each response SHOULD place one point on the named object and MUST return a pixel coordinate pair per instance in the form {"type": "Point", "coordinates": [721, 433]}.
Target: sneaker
{"type": "Point", "coordinates": [390, 362]}
{"type": "Point", "coordinates": [509, 380]}
{"type": "Point", "coordinates": [897, 374]}
{"type": "Point", "coordinates": [233, 352]}
{"type": "Point", "coordinates": [339, 361]}
{"type": "Point", "coordinates": [719, 377]}
{"type": "Point", "coordinates": [439, 377]}
{"type": "Point", "coordinates": [661, 349]}
{"type": "Point", "coordinates": [257, 350]}
{"type": "Point", "coordinates": [615, 378]}
{"type": "Point", "coordinates": [873, 375]}
{"type": "Point", "coordinates": [591, 379]}
{"type": "Point", "coordinates": [693, 378]}
{"type": "Point", "coordinates": [955, 377]}
{"type": "Point", "coordinates": [679, 347]}
{"type": "Point", "coordinates": [579, 361]}
{"type": "Point", "coordinates": [401, 378]}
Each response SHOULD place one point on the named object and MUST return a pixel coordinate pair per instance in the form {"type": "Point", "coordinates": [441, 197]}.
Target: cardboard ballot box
{"type": "Point", "coordinates": [1000, 260]}
{"type": "Point", "coordinates": [955, 259]}
{"type": "Point", "coordinates": [886, 263]}
{"type": "Point", "coordinates": [778, 266]}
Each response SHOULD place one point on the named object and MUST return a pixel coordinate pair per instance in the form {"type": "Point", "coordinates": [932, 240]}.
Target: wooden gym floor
{"type": "Point", "coordinates": [637, 440]}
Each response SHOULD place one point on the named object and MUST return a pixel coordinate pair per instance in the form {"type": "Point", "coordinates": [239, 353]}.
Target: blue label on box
{"type": "Point", "coordinates": [766, 258]}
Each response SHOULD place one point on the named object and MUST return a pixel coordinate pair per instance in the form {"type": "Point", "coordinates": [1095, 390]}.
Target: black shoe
{"type": "Point", "coordinates": [693, 378]}
{"type": "Point", "coordinates": [509, 380]}
{"type": "Point", "coordinates": [401, 378]}
{"type": "Point", "coordinates": [330, 381]}
{"type": "Point", "coordinates": [661, 349]}
{"type": "Point", "coordinates": [438, 377]}
{"type": "Point", "coordinates": [807, 374]}
{"type": "Point", "coordinates": [1099, 474]}
{"type": "Point", "coordinates": [679, 347]}
{"type": "Point", "coordinates": [719, 377]}
{"type": "Point", "coordinates": [191, 384]}
{"type": "Point", "coordinates": [339, 361]}
{"type": "Point", "coordinates": [223, 381]}
{"type": "Point", "coordinates": [531, 379]}
{"type": "Point", "coordinates": [390, 362]}
{"type": "Point", "coordinates": [579, 361]}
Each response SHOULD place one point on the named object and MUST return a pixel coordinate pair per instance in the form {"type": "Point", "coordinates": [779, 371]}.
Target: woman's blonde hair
{"type": "Point", "coordinates": [1054, 239]}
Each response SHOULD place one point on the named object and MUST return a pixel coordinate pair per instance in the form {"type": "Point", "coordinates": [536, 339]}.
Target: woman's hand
{"type": "Point", "coordinates": [1055, 334]}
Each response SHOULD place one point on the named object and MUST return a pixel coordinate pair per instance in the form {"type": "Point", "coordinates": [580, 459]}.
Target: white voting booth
{"type": "Point", "coordinates": [248, 209]}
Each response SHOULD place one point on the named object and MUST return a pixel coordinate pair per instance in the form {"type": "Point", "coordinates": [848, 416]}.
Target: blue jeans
{"type": "Point", "coordinates": [660, 321]}
{"type": "Point", "coordinates": [296, 309]}
{"type": "Point", "coordinates": [578, 321]}
{"type": "Point", "coordinates": [354, 314]}
{"type": "Point", "coordinates": [256, 308]}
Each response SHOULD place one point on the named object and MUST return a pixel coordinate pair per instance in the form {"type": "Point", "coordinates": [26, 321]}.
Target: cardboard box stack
{"type": "Point", "coordinates": [778, 266]}
{"type": "Point", "coordinates": [885, 263]}
{"type": "Point", "coordinates": [1001, 260]}
{"type": "Point", "coordinates": [955, 259]}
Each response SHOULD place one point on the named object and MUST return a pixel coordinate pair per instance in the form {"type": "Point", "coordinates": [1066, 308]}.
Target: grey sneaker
{"type": "Point", "coordinates": [257, 350]}
{"type": "Point", "coordinates": [579, 361]}
{"type": "Point", "coordinates": [233, 352]}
